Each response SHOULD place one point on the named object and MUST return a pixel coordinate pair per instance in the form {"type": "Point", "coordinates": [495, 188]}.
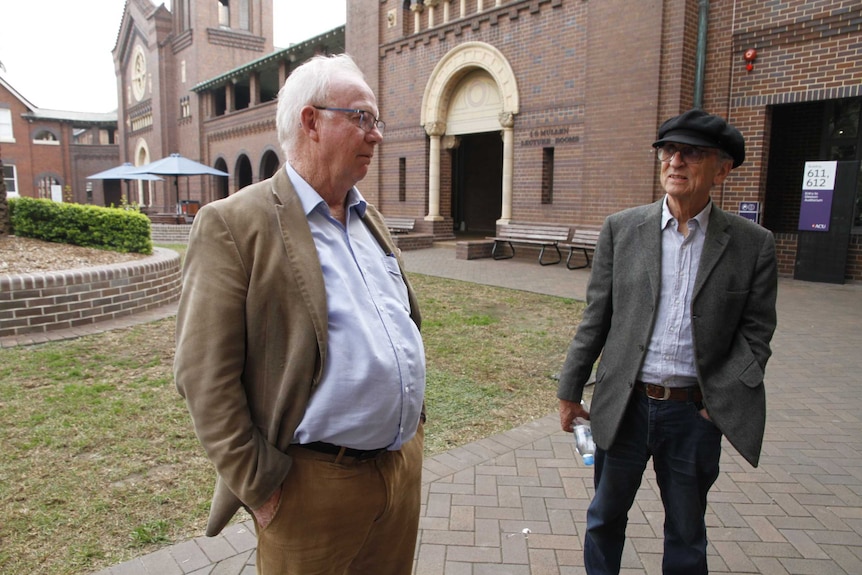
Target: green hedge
{"type": "Point", "coordinates": [116, 229]}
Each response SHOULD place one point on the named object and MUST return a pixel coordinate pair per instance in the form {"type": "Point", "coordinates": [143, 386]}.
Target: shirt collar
{"type": "Point", "coordinates": [311, 200]}
{"type": "Point", "coordinates": [702, 218]}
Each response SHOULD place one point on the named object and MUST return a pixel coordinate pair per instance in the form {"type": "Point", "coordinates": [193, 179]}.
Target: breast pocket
{"type": "Point", "coordinates": [395, 281]}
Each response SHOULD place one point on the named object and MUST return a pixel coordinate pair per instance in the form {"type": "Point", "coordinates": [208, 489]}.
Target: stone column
{"type": "Point", "coordinates": [431, 5]}
{"type": "Point", "coordinates": [507, 120]}
{"type": "Point", "coordinates": [254, 89]}
{"type": "Point", "coordinates": [229, 97]}
{"type": "Point", "coordinates": [435, 130]}
{"type": "Point", "coordinates": [417, 8]}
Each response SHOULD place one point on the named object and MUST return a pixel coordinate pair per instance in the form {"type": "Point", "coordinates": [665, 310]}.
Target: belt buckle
{"type": "Point", "coordinates": [665, 391]}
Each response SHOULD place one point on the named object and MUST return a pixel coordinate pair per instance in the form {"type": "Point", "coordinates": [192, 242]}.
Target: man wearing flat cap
{"type": "Point", "coordinates": [681, 309]}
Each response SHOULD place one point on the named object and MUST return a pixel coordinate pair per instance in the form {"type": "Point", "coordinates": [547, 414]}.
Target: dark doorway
{"type": "Point", "coordinates": [113, 192]}
{"type": "Point", "coordinates": [268, 165]}
{"type": "Point", "coordinates": [477, 183]}
{"type": "Point", "coordinates": [221, 184]}
{"type": "Point", "coordinates": [824, 130]}
{"type": "Point", "coordinates": [243, 172]}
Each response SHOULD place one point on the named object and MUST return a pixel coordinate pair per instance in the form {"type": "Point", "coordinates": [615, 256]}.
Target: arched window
{"type": "Point", "coordinates": [46, 137]}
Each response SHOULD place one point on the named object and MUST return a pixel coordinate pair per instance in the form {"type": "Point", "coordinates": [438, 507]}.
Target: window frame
{"type": "Point", "coordinates": [14, 179]}
{"type": "Point", "coordinates": [4, 114]}
{"type": "Point", "coordinates": [45, 142]}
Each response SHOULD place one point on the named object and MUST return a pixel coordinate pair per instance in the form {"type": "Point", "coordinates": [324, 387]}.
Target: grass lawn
{"type": "Point", "coordinates": [100, 464]}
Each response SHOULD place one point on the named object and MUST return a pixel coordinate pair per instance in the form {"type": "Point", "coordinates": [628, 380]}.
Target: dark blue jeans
{"type": "Point", "coordinates": [686, 449]}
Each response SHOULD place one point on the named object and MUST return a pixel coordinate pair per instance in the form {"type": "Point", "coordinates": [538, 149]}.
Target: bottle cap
{"type": "Point", "coordinates": [588, 459]}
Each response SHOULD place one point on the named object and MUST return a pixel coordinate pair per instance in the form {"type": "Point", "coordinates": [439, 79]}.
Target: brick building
{"type": "Point", "coordinates": [504, 111]}
{"type": "Point", "coordinates": [544, 110]}
{"type": "Point", "coordinates": [201, 80]}
{"type": "Point", "coordinates": [51, 152]}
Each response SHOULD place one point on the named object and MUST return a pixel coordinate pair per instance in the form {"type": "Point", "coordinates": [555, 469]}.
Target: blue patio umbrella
{"type": "Point", "coordinates": [124, 172]}
{"type": "Point", "coordinates": [177, 165]}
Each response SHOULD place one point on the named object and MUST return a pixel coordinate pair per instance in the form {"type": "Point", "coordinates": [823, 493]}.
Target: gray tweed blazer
{"type": "Point", "coordinates": [733, 319]}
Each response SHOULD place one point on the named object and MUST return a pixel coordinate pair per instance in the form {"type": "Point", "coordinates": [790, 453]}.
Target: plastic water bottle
{"type": "Point", "coordinates": [584, 439]}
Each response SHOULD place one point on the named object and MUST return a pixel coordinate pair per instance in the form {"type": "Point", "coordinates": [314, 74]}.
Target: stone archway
{"type": "Point", "coordinates": [439, 91]}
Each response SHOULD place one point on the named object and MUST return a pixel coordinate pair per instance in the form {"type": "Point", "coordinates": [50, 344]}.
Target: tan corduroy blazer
{"type": "Point", "coordinates": [252, 335]}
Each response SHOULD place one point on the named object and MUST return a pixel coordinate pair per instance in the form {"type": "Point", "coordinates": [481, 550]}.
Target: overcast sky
{"type": "Point", "coordinates": [57, 53]}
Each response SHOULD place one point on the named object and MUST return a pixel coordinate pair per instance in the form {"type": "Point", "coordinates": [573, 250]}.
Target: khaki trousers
{"type": "Point", "coordinates": [346, 518]}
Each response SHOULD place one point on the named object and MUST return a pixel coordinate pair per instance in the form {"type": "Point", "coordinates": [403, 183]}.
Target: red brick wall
{"type": "Point", "coordinates": [806, 52]}
{"type": "Point", "coordinates": [545, 43]}
{"type": "Point", "coordinates": [611, 86]}
{"type": "Point", "coordinates": [39, 303]}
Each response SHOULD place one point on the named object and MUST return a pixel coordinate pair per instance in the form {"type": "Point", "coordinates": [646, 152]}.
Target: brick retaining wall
{"type": "Point", "coordinates": [39, 303]}
{"type": "Point", "coordinates": [411, 241]}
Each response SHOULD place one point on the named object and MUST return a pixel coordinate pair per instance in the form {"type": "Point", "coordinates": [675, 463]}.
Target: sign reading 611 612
{"type": "Point", "coordinates": [819, 176]}
{"type": "Point", "coordinates": [818, 185]}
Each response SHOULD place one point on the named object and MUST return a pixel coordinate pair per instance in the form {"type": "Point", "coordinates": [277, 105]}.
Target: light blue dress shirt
{"type": "Point", "coordinates": [670, 357]}
{"type": "Point", "coordinates": [373, 384]}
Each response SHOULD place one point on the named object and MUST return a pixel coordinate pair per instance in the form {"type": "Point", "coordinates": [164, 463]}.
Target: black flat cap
{"type": "Point", "coordinates": [698, 128]}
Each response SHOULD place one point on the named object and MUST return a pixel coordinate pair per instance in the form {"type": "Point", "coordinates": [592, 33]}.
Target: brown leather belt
{"type": "Point", "coordinates": [660, 392]}
{"type": "Point", "coordinates": [329, 449]}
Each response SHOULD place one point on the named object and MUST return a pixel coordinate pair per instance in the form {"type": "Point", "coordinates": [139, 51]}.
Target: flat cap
{"type": "Point", "coordinates": [698, 128]}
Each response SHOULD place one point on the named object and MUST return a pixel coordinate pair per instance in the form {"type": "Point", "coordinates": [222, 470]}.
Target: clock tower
{"type": "Point", "coordinates": [161, 54]}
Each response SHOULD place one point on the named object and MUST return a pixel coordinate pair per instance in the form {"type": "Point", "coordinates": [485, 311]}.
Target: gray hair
{"type": "Point", "coordinates": [308, 84]}
{"type": "Point", "coordinates": [725, 156]}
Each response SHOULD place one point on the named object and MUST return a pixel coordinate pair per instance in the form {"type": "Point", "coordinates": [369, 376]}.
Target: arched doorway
{"type": "Point", "coordinates": [269, 164]}
{"type": "Point", "coordinates": [243, 172]}
{"type": "Point", "coordinates": [472, 92]}
{"type": "Point", "coordinates": [477, 160]}
{"type": "Point", "coordinates": [221, 184]}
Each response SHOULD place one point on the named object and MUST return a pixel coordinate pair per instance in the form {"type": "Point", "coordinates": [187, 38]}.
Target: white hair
{"type": "Point", "coordinates": [308, 85]}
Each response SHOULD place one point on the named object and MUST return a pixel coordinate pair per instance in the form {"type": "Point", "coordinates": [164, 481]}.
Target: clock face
{"type": "Point", "coordinates": [139, 74]}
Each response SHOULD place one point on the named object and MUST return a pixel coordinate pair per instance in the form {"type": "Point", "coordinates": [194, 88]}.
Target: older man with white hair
{"type": "Point", "coordinates": [298, 346]}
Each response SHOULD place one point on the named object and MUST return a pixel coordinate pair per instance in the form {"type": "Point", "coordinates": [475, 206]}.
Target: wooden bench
{"type": "Point", "coordinates": [399, 225]}
{"type": "Point", "coordinates": [546, 236]}
{"type": "Point", "coordinates": [584, 241]}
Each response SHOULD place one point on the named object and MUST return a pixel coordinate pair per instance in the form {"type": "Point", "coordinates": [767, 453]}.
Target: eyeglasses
{"type": "Point", "coordinates": [689, 154]}
{"type": "Point", "coordinates": [367, 121]}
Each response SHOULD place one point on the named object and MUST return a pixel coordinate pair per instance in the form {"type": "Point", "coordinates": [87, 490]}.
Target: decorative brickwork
{"type": "Point", "coordinates": [39, 303]}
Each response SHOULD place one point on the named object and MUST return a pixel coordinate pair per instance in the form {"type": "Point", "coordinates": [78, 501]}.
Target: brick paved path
{"type": "Point", "coordinates": [514, 503]}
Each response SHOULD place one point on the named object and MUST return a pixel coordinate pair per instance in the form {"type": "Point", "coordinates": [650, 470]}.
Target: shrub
{"type": "Point", "coordinates": [116, 229]}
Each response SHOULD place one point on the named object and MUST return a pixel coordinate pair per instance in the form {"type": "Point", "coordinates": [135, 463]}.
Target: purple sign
{"type": "Point", "coordinates": [750, 210]}
{"type": "Point", "coordinates": [818, 183]}
{"type": "Point", "coordinates": [815, 210]}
